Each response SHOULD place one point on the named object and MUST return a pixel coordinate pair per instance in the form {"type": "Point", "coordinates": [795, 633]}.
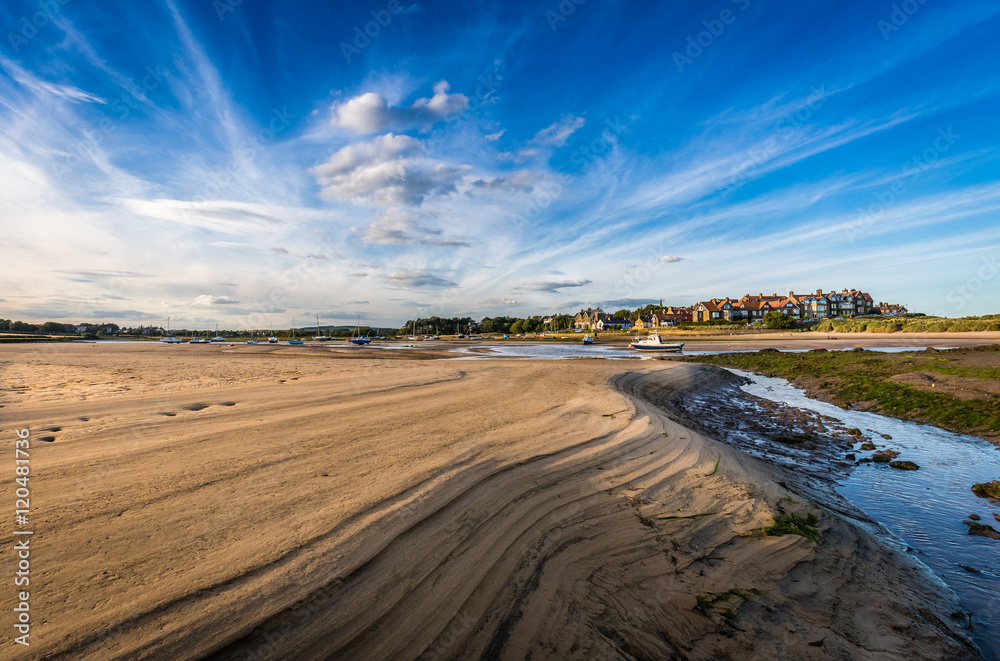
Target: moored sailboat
{"type": "Point", "coordinates": [357, 338]}
{"type": "Point", "coordinates": [293, 340]}
{"type": "Point", "coordinates": [319, 337]}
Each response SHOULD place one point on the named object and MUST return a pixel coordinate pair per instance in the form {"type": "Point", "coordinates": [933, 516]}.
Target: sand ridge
{"type": "Point", "coordinates": [318, 508]}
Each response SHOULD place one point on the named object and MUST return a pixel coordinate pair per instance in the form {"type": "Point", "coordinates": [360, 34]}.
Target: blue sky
{"type": "Point", "coordinates": [249, 162]}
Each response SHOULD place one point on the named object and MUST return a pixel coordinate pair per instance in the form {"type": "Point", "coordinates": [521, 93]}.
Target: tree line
{"type": "Point", "coordinates": [56, 328]}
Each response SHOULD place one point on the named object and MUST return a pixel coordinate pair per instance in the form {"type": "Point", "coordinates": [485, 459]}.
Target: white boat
{"type": "Point", "coordinates": [274, 338]}
{"type": "Point", "coordinates": [168, 339]}
{"type": "Point", "coordinates": [218, 338]}
{"type": "Point", "coordinates": [252, 342]}
{"type": "Point", "coordinates": [587, 339]}
{"type": "Point", "coordinates": [320, 338]}
{"type": "Point", "coordinates": [653, 342]}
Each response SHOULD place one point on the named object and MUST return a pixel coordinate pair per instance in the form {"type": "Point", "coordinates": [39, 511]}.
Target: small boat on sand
{"type": "Point", "coordinates": [587, 339]}
{"type": "Point", "coordinates": [293, 340]}
{"type": "Point", "coordinates": [358, 338]}
{"type": "Point", "coordinates": [653, 342]}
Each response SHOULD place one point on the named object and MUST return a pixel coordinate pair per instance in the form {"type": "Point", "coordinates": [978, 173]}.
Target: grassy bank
{"type": "Point", "coordinates": [955, 389]}
{"type": "Point", "coordinates": [909, 325]}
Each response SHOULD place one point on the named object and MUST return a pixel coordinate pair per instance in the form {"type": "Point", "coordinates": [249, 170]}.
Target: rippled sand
{"type": "Point", "coordinates": [281, 503]}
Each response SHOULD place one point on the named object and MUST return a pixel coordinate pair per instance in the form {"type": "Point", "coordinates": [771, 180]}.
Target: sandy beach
{"type": "Point", "coordinates": [197, 502]}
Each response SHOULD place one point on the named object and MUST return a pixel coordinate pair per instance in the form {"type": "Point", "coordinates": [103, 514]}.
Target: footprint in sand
{"type": "Point", "coordinates": [227, 403]}
{"type": "Point", "coordinates": [46, 439]}
{"type": "Point", "coordinates": [196, 407]}
{"type": "Point", "coordinates": [83, 419]}
{"type": "Point", "coordinates": [169, 414]}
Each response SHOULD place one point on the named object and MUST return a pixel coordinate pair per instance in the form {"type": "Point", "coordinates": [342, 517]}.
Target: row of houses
{"type": "Point", "coordinates": [595, 319]}
{"type": "Point", "coordinates": [807, 307]}
{"type": "Point", "coordinates": [749, 308]}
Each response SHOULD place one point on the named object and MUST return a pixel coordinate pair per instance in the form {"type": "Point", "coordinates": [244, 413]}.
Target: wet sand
{"type": "Point", "coordinates": [284, 503]}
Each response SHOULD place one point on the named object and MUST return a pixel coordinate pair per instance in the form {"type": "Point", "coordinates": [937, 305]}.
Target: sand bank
{"type": "Point", "coordinates": [284, 505]}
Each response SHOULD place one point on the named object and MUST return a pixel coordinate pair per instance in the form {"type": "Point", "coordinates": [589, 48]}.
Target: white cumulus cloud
{"type": "Point", "coordinates": [388, 170]}
{"type": "Point", "coordinates": [371, 112]}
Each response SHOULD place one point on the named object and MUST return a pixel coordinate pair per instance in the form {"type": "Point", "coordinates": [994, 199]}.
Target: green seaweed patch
{"type": "Point", "coordinates": [904, 465]}
{"type": "Point", "coordinates": [793, 524]}
{"type": "Point", "coordinates": [987, 489]}
{"type": "Point", "coordinates": [715, 469]}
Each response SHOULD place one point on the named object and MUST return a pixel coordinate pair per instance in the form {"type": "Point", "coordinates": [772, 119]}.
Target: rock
{"type": "Point", "coordinates": [850, 456]}
{"type": "Point", "coordinates": [884, 456]}
{"type": "Point", "coordinates": [868, 445]}
{"type": "Point", "coordinates": [974, 517]}
{"type": "Point", "coordinates": [886, 437]}
{"type": "Point", "coordinates": [854, 431]}
{"type": "Point", "coordinates": [864, 460]}
{"type": "Point", "coordinates": [904, 465]}
{"type": "Point", "coordinates": [996, 516]}
{"type": "Point", "coordinates": [981, 530]}
{"type": "Point", "coordinates": [987, 489]}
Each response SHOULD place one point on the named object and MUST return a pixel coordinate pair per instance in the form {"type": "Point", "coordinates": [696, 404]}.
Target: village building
{"type": "Point", "coordinates": [587, 319]}
{"type": "Point", "coordinates": [611, 323]}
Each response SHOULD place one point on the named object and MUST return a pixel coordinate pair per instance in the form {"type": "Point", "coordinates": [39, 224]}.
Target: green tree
{"type": "Point", "coordinates": [777, 320]}
{"type": "Point", "coordinates": [517, 327]}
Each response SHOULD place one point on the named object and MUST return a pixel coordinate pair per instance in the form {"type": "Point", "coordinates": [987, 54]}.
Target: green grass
{"type": "Point", "coordinates": [909, 325]}
{"type": "Point", "coordinates": [850, 377]}
{"type": "Point", "coordinates": [716, 468]}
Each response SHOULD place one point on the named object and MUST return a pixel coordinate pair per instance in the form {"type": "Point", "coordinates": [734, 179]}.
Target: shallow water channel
{"type": "Point", "coordinates": [924, 509]}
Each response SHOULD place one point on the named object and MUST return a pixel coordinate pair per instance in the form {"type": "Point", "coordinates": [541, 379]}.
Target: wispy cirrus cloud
{"type": "Point", "coordinates": [416, 279]}
{"type": "Point", "coordinates": [557, 133]}
{"type": "Point", "coordinates": [554, 285]}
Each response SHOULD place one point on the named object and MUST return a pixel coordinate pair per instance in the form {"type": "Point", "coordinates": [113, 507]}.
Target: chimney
{"type": "Point", "coordinates": [819, 292]}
